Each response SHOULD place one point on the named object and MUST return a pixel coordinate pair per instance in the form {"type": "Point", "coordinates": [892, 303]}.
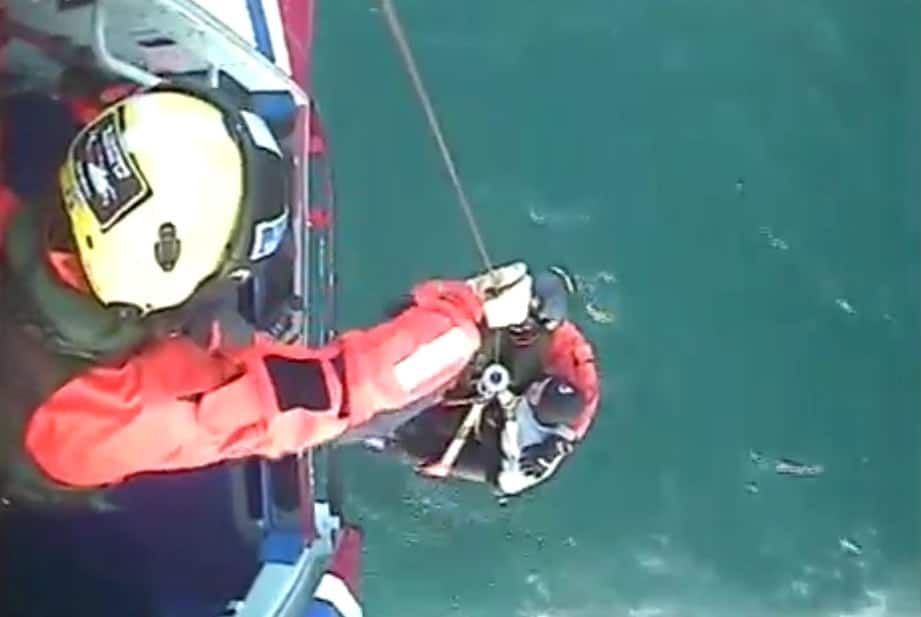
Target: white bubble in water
{"type": "Point", "coordinates": [560, 218]}
{"type": "Point", "coordinates": [591, 289]}
{"type": "Point", "coordinates": [606, 277]}
{"type": "Point", "coordinates": [654, 564]}
{"type": "Point", "coordinates": [774, 240]}
{"type": "Point", "coordinates": [598, 314]}
{"type": "Point", "coordinates": [845, 306]}
{"type": "Point", "coordinates": [540, 586]}
{"type": "Point", "coordinates": [538, 218]}
{"type": "Point", "coordinates": [849, 546]}
{"type": "Point", "coordinates": [800, 588]}
{"type": "Point", "coordinates": [646, 611]}
{"type": "Point", "coordinates": [778, 243]}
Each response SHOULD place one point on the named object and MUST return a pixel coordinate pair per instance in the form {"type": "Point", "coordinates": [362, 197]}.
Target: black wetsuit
{"type": "Point", "coordinates": [426, 436]}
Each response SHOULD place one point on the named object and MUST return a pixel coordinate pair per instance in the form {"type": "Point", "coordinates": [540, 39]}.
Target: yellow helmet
{"type": "Point", "coordinates": [168, 190]}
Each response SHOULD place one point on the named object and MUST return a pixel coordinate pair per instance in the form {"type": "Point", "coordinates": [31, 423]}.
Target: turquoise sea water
{"type": "Point", "coordinates": [737, 184]}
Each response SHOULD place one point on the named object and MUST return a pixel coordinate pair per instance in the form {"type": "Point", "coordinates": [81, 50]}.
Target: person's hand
{"type": "Point", "coordinates": [506, 293]}
{"type": "Point", "coordinates": [536, 460]}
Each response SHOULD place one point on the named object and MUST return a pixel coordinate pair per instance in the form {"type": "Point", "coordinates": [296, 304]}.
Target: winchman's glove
{"type": "Point", "coordinates": [536, 460]}
{"type": "Point", "coordinates": [507, 293]}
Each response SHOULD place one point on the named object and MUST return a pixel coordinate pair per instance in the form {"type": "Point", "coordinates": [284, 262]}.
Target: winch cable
{"type": "Point", "coordinates": [399, 37]}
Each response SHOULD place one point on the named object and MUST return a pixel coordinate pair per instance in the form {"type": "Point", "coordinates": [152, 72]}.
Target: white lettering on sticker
{"type": "Point", "coordinates": [113, 152]}
{"type": "Point", "coordinates": [99, 180]}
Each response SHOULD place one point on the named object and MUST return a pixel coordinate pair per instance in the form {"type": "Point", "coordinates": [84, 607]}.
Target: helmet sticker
{"type": "Point", "coordinates": [267, 236]}
{"type": "Point", "coordinates": [168, 247]}
{"type": "Point", "coordinates": [260, 132]}
{"type": "Point", "coordinates": [107, 178]}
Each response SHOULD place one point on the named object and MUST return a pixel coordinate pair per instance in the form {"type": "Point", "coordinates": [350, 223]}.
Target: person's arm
{"type": "Point", "coordinates": [535, 465]}
{"type": "Point", "coordinates": [176, 405]}
{"type": "Point", "coordinates": [571, 357]}
{"type": "Point", "coordinates": [524, 466]}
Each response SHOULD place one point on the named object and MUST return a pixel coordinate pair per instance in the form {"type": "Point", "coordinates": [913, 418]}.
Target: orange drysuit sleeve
{"type": "Point", "coordinates": [175, 405]}
{"type": "Point", "coordinates": [571, 357]}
